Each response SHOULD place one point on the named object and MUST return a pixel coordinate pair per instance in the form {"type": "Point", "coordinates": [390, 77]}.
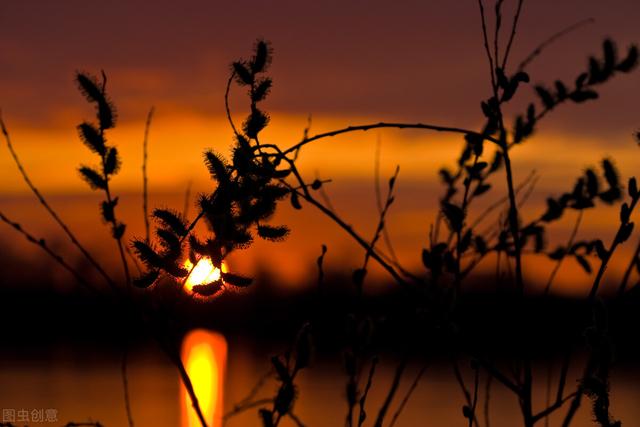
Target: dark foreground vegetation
{"type": "Point", "coordinates": [425, 316]}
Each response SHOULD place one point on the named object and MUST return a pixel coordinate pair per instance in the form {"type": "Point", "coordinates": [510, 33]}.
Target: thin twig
{"type": "Point", "coordinates": [575, 405]}
{"type": "Point", "coordinates": [226, 104]}
{"type": "Point", "coordinates": [609, 253]}
{"type": "Point", "coordinates": [145, 193]}
{"type": "Point", "coordinates": [485, 37]}
{"type": "Point", "coordinates": [546, 412]}
{"type": "Point", "coordinates": [407, 396]}
{"type": "Point", "coordinates": [548, 389]}
{"type": "Point", "coordinates": [502, 200]}
{"type": "Point", "coordinates": [363, 399]}
{"type": "Point", "coordinates": [463, 387]}
{"type": "Point", "coordinates": [295, 419]}
{"type": "Point", "coordinates": [188, 385]}
{"type": "Point", "coordinates": [385, 230]}
{"type": "Point", "coordinates": [625, 279]}
{"type": "Point", "coordinates": [572, 237]}
{"type": "Point", "coordinates": [564, 371]}
{"type": "Point", "coordinates": [476, 383]}
{"type": "Point", "coordinates": [382, 125]}
{"type": "Point", "coordinates": [125, 383]}
{"type": "Point", "coordinates": [392, 391]}
{"type": "Point", "coordinates": [487, 400]}
{"type": "Point", "coordinates": [513, 34]}
{"type": "Point", "coordinates": [496, 35]}
{"type": "Point", "coordinates": [320, 264]}
{"type": "Point", "coordinates": [326, 199]}
{"type": "Point", "coordinates": [538, 50]}
{"type": "Point", "coordinates": [381, 222]}
{"type": "Point", "coordinates": [187, 200]}
{"type": "Point", "coordinates": [253, 393]}
{"type": "Point", "coordinates": [244, 407]}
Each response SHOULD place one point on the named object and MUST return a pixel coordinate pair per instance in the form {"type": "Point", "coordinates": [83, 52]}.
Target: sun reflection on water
{"type": "Point", "coordinates": [204, 354]}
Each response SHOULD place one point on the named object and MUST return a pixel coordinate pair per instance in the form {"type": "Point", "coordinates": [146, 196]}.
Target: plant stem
{"type": "Point", "coordinates": [513, 34]}
{"type": "Point", "coordinates": [145, 193]}
{"type": "Point", "coordinates": [487, 400]}
{"type": "Point", "coordinates": [363, 399]}
{"type": "Point", "coordinates": [572, 237]}
{"type": "Point", "coordinates": [123, 258]}
{"type": "Point", "coordinates": [627, 273]}
{"type": "Point", "coordinates": [406, 397]}
{"type": "Point", "coordinates": [392, 391]}
{"type": "Point", "coordinates": [125, 383]}
{"type": "Point", "coordinates": [609, 254]}
{"type": "Point", "coordinates": [384, 125]}
{"type": "Point", "coordinates": [538, 50]}
{"type": "Point", "coordinates": [463, 387]}
{"type": "Point", "coordinates": [174, 355]}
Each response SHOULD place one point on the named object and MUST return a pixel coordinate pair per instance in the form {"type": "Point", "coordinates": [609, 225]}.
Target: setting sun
{"type": "Point", "coordinates": [204, 272]}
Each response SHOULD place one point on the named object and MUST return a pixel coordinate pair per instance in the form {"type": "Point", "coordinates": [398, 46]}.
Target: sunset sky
{"type": "Point", "coordinates": [340, 62]}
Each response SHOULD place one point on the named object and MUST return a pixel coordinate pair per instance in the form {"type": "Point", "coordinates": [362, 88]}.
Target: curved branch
{"type": "Point", "coordinates": [381, 125]}
{"type": "Point", "coordinates": [226, 103]}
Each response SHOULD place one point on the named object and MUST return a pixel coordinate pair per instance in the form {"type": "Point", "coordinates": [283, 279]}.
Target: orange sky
{"type": "Point", "coordinates": [343, 63]}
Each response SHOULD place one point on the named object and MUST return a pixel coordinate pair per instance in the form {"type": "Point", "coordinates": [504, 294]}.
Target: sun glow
{"type": "Point", "coordinates": [204, 354]}
{"type": "Point", "coordinates": [203, 273]}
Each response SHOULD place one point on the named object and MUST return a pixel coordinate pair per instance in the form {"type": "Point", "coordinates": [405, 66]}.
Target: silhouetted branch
{"type": "Point", "coordinates": [187, 200]}
{"type": "Point", "coordinates": [188, 385]}
{"type": "Point", "coordinates": [474, 403]}
{"type": "Point", "coordinates": [125, 383]}
{"type": "Point", "coordinates": [487, 400]}
{"type": "Point", "coordinates": [249, 402]}
{"type": "Point", "coordinates": [538, 50]}
{"type": "Point", "coordinates": [381, 225]}
{"type": "Point", "coordinates": [496, 34]}
{"type": "Point", "coordinates": [624, 230]}
{"type": "Point", "coordinates": [572, 237]}
{"type": "Point", "coordinates": [237, 409]}
{"type": "Point", "coordinates": [367, 387]}
{"type": "Point", "coordinates": [513, 34]}
{"type": "Point", "coordinates": [485, 38]}
{"type": "Point", "coordinates": [381, 126]}
{"type": "Point", "coordinates": [378, 192]}
{"type": "Point", "coordinates": [407, 396]}
{"type": "Point", "coordinates": [548, 411]}
{"type": "Point", "coordinates": [392, 391]}
{"type": "Point", "coordinates": [226, 103]}
{"type": "Point", "coordinates": [501, 201]}
{"type": "Point", "coordinates": [467, 395]}
{"type": "Point", "coordinates": [145, 193]}
{"type": "Point", "coordinates": [295, 419]}
{"type": "Point", "coordinates": [627, 273]}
